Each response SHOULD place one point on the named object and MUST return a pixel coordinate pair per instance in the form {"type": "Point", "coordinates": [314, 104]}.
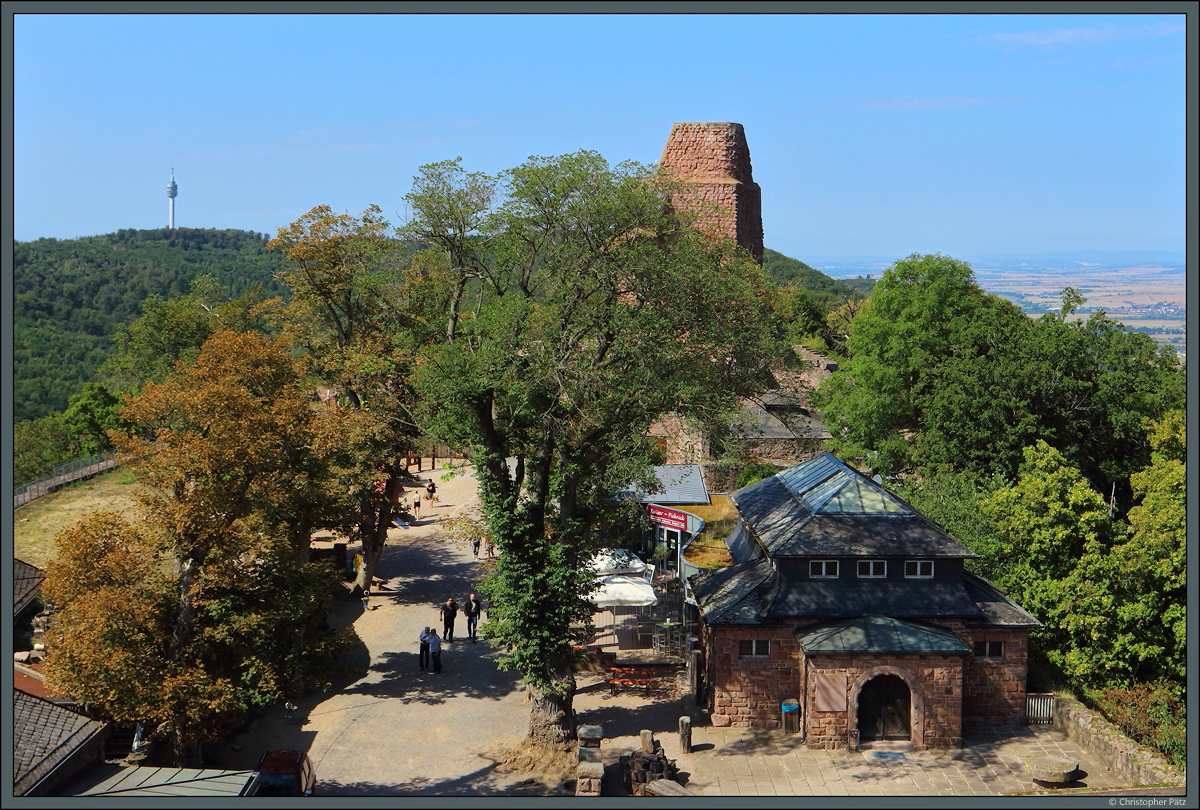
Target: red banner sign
{"type": "Point", "coordinates": [667, 517]}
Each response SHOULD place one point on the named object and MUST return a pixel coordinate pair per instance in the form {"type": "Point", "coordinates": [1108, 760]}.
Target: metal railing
{"type": "Point", "coordinates": [62, 474]}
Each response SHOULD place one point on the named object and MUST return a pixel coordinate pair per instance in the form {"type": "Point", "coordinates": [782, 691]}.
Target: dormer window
{"type": "Point", "coordinates": [918, 569]}
{"type": "Point", "coordinates": [823, 569]}
{"type": "Point", "coordinates": [872, 569]}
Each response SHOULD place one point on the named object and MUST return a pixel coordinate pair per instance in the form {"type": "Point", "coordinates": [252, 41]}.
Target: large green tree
{"type": "Point", "coordinates": [591, 310]}
{"type": "Point", "coordinates": [940, 372]}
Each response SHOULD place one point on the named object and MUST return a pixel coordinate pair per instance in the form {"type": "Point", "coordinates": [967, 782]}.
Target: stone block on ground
{"type": "Point", "coordinates": [666, 787]}
{"type": "Point", "coordinates": [590, 736]}
{"type": "Point", "coordinates": [1054, 770]}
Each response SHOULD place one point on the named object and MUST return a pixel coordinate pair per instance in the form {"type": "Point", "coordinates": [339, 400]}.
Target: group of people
{"type": "Point", "coordinates": [431, 643]}
{"type": "Point", "coordinates": [430, 495]}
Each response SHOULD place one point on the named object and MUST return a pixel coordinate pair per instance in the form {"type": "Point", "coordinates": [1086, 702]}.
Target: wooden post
{"type": "Point", "coordinates": [648, 741]}
{"type": "Point", "coordinates": [685, 735]}
{"type": "Point", "coordinates": [693, 674]}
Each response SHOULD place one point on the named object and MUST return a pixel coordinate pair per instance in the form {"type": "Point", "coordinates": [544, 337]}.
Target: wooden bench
{"type": "Point", "coordinates": [644, 676]}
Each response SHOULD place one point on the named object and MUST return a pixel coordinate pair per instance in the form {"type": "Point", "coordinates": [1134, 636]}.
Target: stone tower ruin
{"type": "Point", "coordinates": [714, 160]}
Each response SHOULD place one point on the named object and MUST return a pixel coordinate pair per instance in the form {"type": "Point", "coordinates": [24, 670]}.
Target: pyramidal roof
{"type": "Point", "coordinates": [827, 486]}
{"type": "Point", "coordinates": [825, 507]}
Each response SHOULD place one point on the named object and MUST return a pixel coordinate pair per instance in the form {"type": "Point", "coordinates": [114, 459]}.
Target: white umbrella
{"type": "Point", "coordinates": [619, 590]}
{"type": "Point", "coordinates": [609, 561]}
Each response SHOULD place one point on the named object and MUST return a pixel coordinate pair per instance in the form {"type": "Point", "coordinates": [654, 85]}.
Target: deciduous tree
{"type": "Point", "coordinates": [598, 311]}
{"type": "Point", "coordinates": [225, 449]}
{"type": "Point", "coordinates": [352, 309]}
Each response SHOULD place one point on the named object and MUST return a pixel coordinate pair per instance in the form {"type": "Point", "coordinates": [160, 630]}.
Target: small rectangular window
{"type": "Point", "coordinates": [872, 569]}
{"type": "Point", "coordinates": [754, 648]}
{"type": "Point", "coordinates": [989, 649]}
{"type": "Point", "coordinates": [823, 569]}
{"type": "Point", "coordinates": [918, 569]}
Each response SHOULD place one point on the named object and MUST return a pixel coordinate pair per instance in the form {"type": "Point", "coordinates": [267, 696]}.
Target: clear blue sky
{"type": "Point", "coordinates": [869, 135]}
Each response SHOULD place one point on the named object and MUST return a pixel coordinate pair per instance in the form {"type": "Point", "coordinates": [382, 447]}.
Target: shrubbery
{"type": "Point", "coordinates": [1153, 715]}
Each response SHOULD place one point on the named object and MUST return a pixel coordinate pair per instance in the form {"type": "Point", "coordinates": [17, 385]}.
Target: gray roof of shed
{"type": "Point", "coordinates": [678, 483]}
{"type": "Point", "coordinates": [878, 634]}
{"type": "Point", "coordinates": [757, 422]}
{"type": "Point", "coordinates": [27, 581]}
{"type": "Point", "coordinates": [116, 780]}
{"type": "Point", "coordinates": [44, 735]}
{"type": "Point", "coordinates": [823, 507]}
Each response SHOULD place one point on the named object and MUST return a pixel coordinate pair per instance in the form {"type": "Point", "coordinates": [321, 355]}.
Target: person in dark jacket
{"type": "Point", "coordinates": [449, 613]}
{"type": "Point", "coordinates": [424, 639]}
{"type": "Point", "coordinates": [472, 610]}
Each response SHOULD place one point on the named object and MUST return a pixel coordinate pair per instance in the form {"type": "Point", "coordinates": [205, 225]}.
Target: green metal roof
{"type": "Point", "coordinates": [878, 634]}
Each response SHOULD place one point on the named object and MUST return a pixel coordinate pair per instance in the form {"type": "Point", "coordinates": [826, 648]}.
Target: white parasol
{"type": "Point", "coordinates": [621, 590]}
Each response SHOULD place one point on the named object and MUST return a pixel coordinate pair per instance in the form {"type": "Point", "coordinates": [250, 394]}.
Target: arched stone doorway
{"type": "Point", "coordinates": [884, 709]}
{"type": "Point", "coordinates": [894, 706]}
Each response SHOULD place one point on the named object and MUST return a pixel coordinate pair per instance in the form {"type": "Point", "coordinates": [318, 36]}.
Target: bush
{"type": "Point", "coordinates": [755, 471]}
{"type": "Point", "coordinates": [1153, 715]}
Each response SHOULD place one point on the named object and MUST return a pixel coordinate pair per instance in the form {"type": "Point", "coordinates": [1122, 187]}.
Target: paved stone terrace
{"type": "Point", "coordinates": [746, 762]}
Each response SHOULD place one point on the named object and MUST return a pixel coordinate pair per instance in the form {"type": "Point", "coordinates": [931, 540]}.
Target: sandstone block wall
{"type": "Point", "coordinates": [935, 684]}
{"type": "Point", "coordinates": [994, 689]}
{"type": "Point", "coordinates": [714, 160]}
{"type": "Point", "coordinates": [748, 692]}
{"type": "Point", "coordinates": [1116, 752]}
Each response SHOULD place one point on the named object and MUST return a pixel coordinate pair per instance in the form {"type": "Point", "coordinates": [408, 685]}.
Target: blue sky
{"type": "Point", "coordinates": [870, 135]}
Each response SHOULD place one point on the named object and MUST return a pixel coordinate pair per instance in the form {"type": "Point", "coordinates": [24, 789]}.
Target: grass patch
{"type": "Point", "coordinates": [707, 549]}
{"type": "Point", "coordinates": [38, 523]}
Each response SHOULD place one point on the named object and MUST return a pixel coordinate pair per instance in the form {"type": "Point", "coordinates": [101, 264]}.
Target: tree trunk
{"type": "Point", "coordinates": [185, 623]}
{"type": "Point", "coordinates": [373, 531]}
{"type": "Point", "coordinates": [552, 717]}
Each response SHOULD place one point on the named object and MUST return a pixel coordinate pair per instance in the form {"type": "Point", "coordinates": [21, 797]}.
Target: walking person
{"type": "Point", "coordinates": [424, 639]}
{"type": "Point", "coordinates": [449, 613]}
{"type": "Point", "coordinates": [491, 549]}
{"type": "Point", "coordinates": [417, 508]}
{"type": "Point", "coordinates": [435, 650]}
{"type": "Point", "coordinates": [475, 547]}
{"type": "Point", "coordinates": [431, 491]}
{"type": "Point", "coordinates": [472, 609]}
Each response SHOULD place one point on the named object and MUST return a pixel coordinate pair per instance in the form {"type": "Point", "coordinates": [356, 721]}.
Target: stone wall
{"type": "Point", "coordinates": [748, 692]}
{"type": "Point", "coordinates": [1116, 752]}
{"type": "Point", "coordinates": [714, 160]}
{"type": "Point", "coordinates": [948, 690]}
{"type": "Point", "coordinates": [994, 689]}
{"type": "Point", "coordinates": [935, 685]}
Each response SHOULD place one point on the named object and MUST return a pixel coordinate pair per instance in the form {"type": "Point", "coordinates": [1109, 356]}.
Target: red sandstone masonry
{"type": "Point", "coordinates": [714, 160]}
{"type": "Point", "coordinates": [953, 689]}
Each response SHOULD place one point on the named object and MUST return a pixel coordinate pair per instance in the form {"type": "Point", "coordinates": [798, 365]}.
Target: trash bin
{"type": "Point", "coordinates": [791, 717]}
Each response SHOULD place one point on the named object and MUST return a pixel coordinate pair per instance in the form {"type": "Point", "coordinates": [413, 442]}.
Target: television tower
{"type": "Point", "coordinates": [172, 193]}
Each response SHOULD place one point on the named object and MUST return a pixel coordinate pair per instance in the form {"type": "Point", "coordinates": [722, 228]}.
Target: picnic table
{"type": "Point", "coordinates": [643, 675]}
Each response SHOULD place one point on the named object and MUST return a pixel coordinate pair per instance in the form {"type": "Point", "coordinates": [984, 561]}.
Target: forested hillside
{"type": "Point", "coordinates": [824, 291]}
{"type": "Point", "coordinates": [70, 295]}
